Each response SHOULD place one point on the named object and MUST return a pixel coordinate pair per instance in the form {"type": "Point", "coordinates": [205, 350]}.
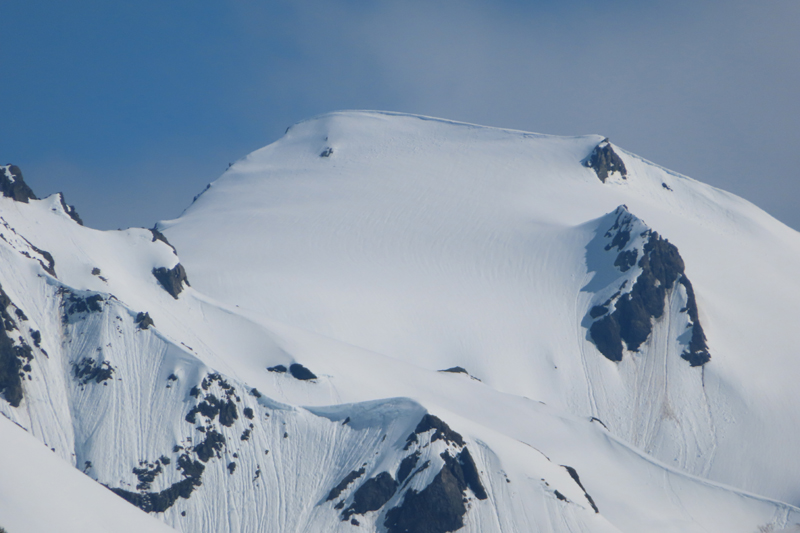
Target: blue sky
{"type": "Point", "coordinates": [131, 108]}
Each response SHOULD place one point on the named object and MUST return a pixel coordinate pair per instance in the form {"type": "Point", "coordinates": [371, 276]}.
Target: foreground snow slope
{"type": "Point", "coordinates": [444, 244]}
{"type": "Point", "coordinates": [375, 250]}
{"type": "Point", "coordinates": [38, 492]}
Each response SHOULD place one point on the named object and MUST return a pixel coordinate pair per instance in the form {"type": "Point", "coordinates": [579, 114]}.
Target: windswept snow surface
{"type": "Point", "coordinates": [441, 244]}
{"type": "Point", "coordinates": [375, 250]}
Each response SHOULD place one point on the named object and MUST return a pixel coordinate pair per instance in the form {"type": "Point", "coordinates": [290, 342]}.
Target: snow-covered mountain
{"type": "Point", "coordinates": [386, 322]}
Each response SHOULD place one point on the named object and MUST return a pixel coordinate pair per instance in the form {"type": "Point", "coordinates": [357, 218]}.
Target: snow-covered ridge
{"type": "Point", "coordinates": [299, 383]}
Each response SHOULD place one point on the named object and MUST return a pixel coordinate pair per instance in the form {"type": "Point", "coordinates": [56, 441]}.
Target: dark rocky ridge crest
{"type": "Point", "coordinates": [69, 209]}
{"type": "Point", "coordinates": [13, 185]}
{"type": "Point", "coordinates": [605, 161]}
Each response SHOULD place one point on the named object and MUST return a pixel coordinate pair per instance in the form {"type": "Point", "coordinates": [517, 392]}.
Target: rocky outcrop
{"type": "Point", "coordinates": [605, 161]}
{"type": "Point", "coordinates": [13, 186]}
{"type": "Point", "coordinates": [172, 279]}
{"type": "Point", "coordinates": [440, 507]}
{"type": "Point", "coordinates": [628, 317]}
{"type": "Point", "coordinates": [69, 209]}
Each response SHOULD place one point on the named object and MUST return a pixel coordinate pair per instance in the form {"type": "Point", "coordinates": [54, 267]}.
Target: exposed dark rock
{"type": "Point", "coordinates": [87, 369]}
{"type": "Point", "coordinates": [598, 310]}
{"type": "Point", "coordinates": [245, 435]}
{"type": "Point", "coordinates": [632, 319]}
{"type": "Point", "coordinates": [456, 370]}
{"type": "Point", "coordinates": [89, 304]}
{"type": "Point", "coordinates": [172, 377]}
{"type": "Point", "coordinates": [213, 443]}
{"type": "Point", "coordinates": [70, 210]}
{"type": "Point", "coordinates": [227, 413]}
{"type": "Point", "coordinates": [343, 484]}
{"type": "Point", "coordinates": [280, 369]}
{"type": "Point", "coordinates": [50, 267]}
{"type": "Point", "coordinates": [231, 467]}
{"type": "Point", "coordinates": [438, 508]}
{"type": "Point", "coordinates": [146, 474]}
{"type": "Point", "coordinates": [36, 335]}
{"type": "Point", "coordinates": [211, 406]}
{"type": "Point", "coordinates": [158, 236]}
{"type": "Point", "coordinates": [470, 473]}
{"type": "Point", "coordinates": [605, 161]}
{"type": "Point", "coordinates": [14, 358]}
{"type": "Point", "coordinates": [666, 186]}
{"type": "Point", "coordinates": [158, 502]}
{"type": "Point", "coordinates": [13, 186]}
{"type": "Point", "coordinates": [171, 280]}
{"type": "Point", "coordinates": [422, 468]}
{"type": "Point", "coordinates": [248, 413]}
{"type": "Point", "coordinates": [254, 392]}
{"type": "Point", "coordinates": [95, 271]}
{"type": "Point", "coordinates": [625, 260]}
{"type": "Point", "coordinates": [574, 475]}
{"type": "Point", "coordinates": [407, 465]}
{"type": "Point", "coordinates": [354, 522]}
{"type": "Point", "coordinates": [560, 496]}
{"type": "Point", "coordinates": [298, 371]}
{"type": "Point", "coordinates": [371, 495]}
{"type": "Point", "coordinates": [327, 152]}
{"type": "Point", "coordinates": [697, 353]}
{"type": "Point", "coordinates": [190, 468]}
{"type": "Point", "coordinates": [442, 431]}
{"type": "Point", "coordinates": [143, 320]}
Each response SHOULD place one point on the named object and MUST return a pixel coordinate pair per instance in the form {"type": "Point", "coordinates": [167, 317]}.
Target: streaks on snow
{"type": "Point", "coordinates": [192, 459]}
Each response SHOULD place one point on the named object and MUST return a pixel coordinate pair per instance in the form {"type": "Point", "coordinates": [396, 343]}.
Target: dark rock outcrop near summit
{"type": "Point", "coordinates": [634, 312]}
{"type": "Point", "coordinates": [158, 236]}
{"type": "Point", "coordinates": [13, 186]}
{"type": "Point", "coordinates": [70, 209]}
{"type": "Point", "coordinates": [172, 279]}
{"type": "Point", "coordinates": [605, 161]}
{"type": "Point", "coordinates": [442, 431]}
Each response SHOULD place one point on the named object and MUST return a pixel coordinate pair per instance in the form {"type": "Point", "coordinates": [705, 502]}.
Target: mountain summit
{"type": "Point", "coordinates": [398, 323]}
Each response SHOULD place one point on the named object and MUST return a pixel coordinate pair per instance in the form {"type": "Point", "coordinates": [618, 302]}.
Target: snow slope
{"type": "Point", "coordinates": [375, 250]}
{"type": "Point", "coordinates": [38, 492]}
{"type": "Point", "coordinates": [443, 244]}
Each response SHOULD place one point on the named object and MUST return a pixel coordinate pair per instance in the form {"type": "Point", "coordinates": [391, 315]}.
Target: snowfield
{"type": "Point", "coordinates": [292, 379]}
